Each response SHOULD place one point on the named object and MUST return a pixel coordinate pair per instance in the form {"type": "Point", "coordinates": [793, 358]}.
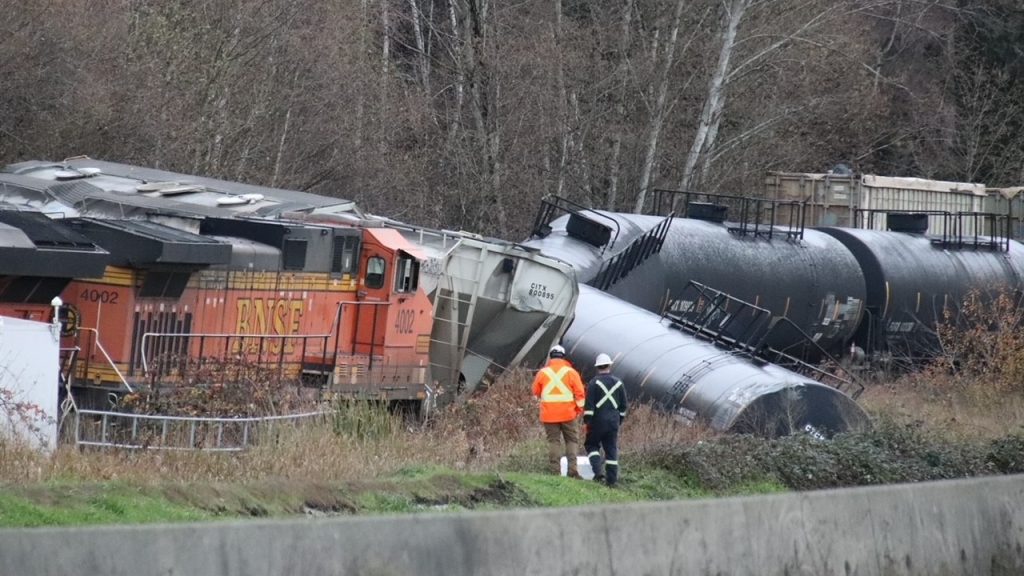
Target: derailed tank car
{"type": "Point", "coordinates": [807, 279]}
{"type": "Point", "coordinates": [699, 381]}
{"type": "Point", "coordinates": [631, 257]}
{"type": "Point", "coordinates": [915, 281]}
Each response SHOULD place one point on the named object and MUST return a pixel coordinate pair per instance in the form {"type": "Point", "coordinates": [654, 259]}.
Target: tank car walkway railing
{"type": "Point", "coordinates": [754, 217]}
{"type": "Point", "coordinates": [744, 328]}
{"type": "Point", "coordinates": [119, 430]}
{"type": "Point", "coordinates": [642, 248]}
{"type": "Point", "coordinates": [949, 230]}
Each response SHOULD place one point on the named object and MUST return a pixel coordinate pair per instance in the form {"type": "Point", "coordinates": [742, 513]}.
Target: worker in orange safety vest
{"type": "Point", "coordinates": [560, 390]}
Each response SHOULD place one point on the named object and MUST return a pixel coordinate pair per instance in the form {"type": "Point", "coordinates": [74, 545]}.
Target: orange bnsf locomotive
{"type": "Point", "coordinates": [188, 280]}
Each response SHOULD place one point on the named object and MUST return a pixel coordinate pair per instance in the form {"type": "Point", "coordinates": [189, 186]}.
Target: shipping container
{"type": "Point", "coordinates": [1008, 202]}
{"type": "Point", "coordinates": [851, 200]}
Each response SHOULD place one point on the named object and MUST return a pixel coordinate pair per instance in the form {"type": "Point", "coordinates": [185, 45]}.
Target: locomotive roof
{"type": "Point", "coordinates": [95, 187]}
{"type": "Point", "coordinates": [31, 244]}
{"type": "Point", "coordinates": [141, 243]}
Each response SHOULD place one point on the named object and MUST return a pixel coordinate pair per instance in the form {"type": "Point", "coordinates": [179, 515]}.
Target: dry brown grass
{"type": "Point", "coordinates": [947, 407]}
{"type": "Point", "coordinates": [975, 387]}
{"type": "Point", "coordinates": [646, 431]}
{"type": "Point", "coordinates": [477, 435]}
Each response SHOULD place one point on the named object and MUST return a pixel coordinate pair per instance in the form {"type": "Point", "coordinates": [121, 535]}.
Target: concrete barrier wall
{"type": "Point", "coordinates": [969, 527]}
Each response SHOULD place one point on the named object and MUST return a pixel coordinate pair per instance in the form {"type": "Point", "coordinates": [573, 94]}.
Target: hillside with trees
{"type": "Point", "coordinates": [462, 113]}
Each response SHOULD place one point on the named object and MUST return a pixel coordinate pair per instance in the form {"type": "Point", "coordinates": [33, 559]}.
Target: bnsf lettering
{"type": "Point", "coordinates": [268, 317]}
{"type": "Point", "coordinates": [103, 296]}
{"type": "Point", "coordinates": [404, 320]}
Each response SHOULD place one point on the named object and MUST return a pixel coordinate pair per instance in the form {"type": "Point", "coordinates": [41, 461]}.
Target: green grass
{"type": "Point", "coordinates": [111, 504]}
{"type": "Point", "coordinates": [756, 489]}
{"type": "Point", "coordinates": [548, 490]}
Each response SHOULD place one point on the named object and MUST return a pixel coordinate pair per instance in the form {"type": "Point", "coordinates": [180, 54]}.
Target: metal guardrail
{"type": "Point", "coordinates": [102, 429]}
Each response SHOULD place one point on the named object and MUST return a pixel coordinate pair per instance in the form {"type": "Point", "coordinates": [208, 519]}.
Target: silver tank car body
{"type": "Point", "coordinates": [699, 381]}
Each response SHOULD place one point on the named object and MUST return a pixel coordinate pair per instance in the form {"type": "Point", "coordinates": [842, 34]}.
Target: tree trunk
{"type": "Point", "coordinates": [658, 114]}
{"type": "Point", "coordinates": [565, 141]}
{"type": "Point", "coordinates": [421, 46]}
{"type": "Point", "coordinates": [715, 99]}
{"type": "Point", "coordinates": [385, 67]}
{"type": "Point", "coordinates": [484, 97]}
{"type": "Point", "coordinates": [620, 105]}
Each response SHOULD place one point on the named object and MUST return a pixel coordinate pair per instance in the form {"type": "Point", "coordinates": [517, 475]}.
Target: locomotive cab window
{"type": "Point", "coordinates": [375, 268]}
{"type": "Point", "coordinates": [408, 273]}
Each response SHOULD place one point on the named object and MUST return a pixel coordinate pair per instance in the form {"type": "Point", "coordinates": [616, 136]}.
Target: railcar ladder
{"type": "Point", "coordinates": [455, 334]}
{"type": "Point", "coordinates": [745, 329]}
{"type": "Point", "coordinates": [639, 250]}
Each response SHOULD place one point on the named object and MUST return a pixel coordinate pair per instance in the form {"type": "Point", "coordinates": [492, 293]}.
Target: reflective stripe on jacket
{"type": "Point", "coordinates": [560, 390]}
{"type": "Point", "coordinates": [606, 401]}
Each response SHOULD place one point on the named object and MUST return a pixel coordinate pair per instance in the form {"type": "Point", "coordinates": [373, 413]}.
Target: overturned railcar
{"type": "Point", "coordinates": [699, 381]}
{"type": "Point", "coordinates": [683, 343]}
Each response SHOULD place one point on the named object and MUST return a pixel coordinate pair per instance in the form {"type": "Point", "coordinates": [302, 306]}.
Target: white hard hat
{"type": "Point", "coordinates": [557, 351]}
{"type": "Point", "coordinates": [603, 360]}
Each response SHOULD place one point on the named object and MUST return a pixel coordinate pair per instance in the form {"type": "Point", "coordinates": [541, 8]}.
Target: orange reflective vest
{"type": "Point", "coordinates": [560, 390]}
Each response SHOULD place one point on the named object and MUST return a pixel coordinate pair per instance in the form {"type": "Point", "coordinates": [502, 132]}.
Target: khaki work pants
{"type": "Point", "coordinates": [569, 431]}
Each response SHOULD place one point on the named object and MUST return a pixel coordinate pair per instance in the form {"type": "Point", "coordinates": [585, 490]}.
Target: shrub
{"type": "Point", "coordinates": [1006, 455]}
{"type": "Point", "coordinates": [891, 452]}
{"type": "Point", "coordinates": [981, 342]}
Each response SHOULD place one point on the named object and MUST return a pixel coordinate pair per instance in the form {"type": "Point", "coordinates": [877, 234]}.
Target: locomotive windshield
{"type": "Point", "coordinates": [375, 268]}
{"type": "Point", "coordinates": [407, 278]}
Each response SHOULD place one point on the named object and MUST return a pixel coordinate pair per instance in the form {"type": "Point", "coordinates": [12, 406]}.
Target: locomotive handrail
{"type": "Point", "coordinates": [335, 326]}
{"type": "Point", "coordinates": [553, 203]}
{"type": "Point", "coordinates": [99, 346]}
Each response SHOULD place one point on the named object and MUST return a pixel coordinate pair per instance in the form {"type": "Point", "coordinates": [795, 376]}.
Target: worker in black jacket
{"type": "Point", "coordinates": [603, 412]}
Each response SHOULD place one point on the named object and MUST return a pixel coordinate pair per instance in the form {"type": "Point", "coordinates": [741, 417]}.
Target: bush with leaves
{"type": "Point", "coordinates": [982, 342]}
{"type": "Point", "coordinates": [892, 452]}
{"type": "Point", "coordinates": [221, 388]}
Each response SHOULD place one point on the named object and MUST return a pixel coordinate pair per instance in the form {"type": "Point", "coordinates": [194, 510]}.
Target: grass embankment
{"type": "Point", "coordinates": [489, 454]}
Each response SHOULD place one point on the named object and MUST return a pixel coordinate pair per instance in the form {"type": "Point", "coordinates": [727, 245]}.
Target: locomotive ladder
{"type": "Point", "coordinates": [744, 328]}
{"type": "Point", "coordinates": [456, 334]}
